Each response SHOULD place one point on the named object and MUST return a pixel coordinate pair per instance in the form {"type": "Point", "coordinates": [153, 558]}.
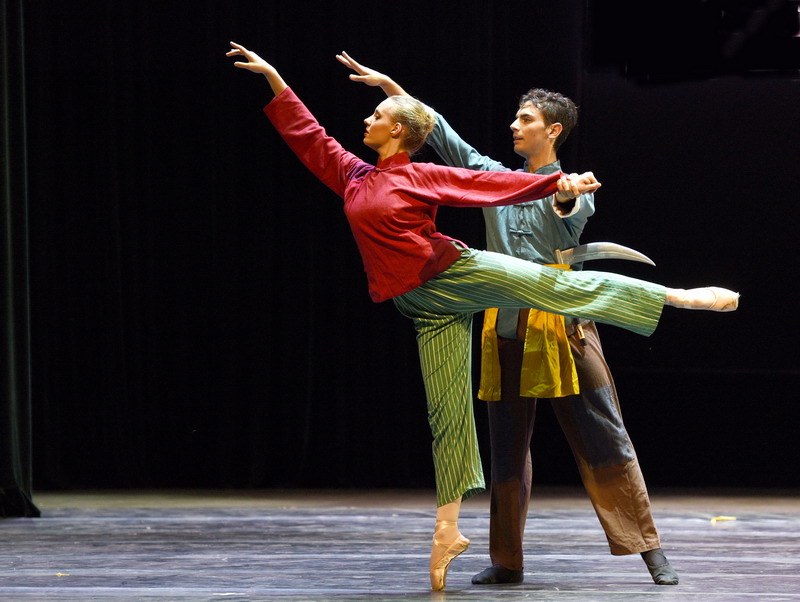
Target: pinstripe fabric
{"type": "Point", "coordinates": [442, 310]}
{"type": "Point", "coordinates": [445, 344]}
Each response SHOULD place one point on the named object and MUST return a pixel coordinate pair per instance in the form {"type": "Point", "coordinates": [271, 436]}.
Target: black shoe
{"type": "Point", "coordinates": [497, 574]}
{"type": "Point", "coordinates": [660, 569]}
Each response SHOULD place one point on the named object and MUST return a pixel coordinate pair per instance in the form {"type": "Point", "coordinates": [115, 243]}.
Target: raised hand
{"type": "Point", "coordinates": [365, 74]}
{"type": "Point", "coordinates": [257, 65]}
{"type": "Point", "coordinates": [370, 77]}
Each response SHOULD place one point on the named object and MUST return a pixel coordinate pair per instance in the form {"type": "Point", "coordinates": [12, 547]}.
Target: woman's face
{"type": "Point", "coordinates": [381, 126]}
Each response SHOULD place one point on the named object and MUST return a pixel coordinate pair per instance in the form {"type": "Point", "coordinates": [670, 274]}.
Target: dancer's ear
{"type": "Point", "coordinates": [554, 130]}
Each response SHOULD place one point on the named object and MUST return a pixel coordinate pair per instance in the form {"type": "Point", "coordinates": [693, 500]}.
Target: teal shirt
{"type": "Point", "coordinates": [531, 231]}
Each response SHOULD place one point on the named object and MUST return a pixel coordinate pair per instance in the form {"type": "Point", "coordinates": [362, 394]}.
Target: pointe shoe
{"type": "Point", "coordinates": [711, 298]}
{"type": "Point", "coordinates": [443, 552]}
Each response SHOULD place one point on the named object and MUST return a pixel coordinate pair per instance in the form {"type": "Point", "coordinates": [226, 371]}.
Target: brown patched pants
{"type": "Point", "coordinates": [593, 425]}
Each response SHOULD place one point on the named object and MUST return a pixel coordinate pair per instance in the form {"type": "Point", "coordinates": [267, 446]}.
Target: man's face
{"type": "Point", "coordinates": [532, 136]}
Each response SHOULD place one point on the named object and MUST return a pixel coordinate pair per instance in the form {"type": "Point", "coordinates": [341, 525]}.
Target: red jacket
{"type": "Point", "coordinates": [392, 207]}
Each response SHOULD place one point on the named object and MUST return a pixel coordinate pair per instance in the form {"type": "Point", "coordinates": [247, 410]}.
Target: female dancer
{"type": "Point", "coordinates": [439, 282]}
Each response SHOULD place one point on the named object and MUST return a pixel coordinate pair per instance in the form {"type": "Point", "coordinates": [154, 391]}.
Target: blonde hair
{"type": "Point", "coordinates": [416, 118]}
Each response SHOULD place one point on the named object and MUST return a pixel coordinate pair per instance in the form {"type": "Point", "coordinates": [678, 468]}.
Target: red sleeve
{"type": "Point", "coordinates": [458, 187]}
{"type": "Point", "coordinates": [320, 153]}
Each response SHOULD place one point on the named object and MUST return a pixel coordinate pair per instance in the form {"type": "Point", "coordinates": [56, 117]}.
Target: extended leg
{"type": "Point", "coordinates": [481, 279]}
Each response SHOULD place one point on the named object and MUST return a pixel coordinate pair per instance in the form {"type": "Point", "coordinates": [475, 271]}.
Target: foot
{"type": "Point", "coordinates": [660, 569]}
{"type": "Point", "coordinates": [711, 298]}
{"type": "Point", "coordinates": [497, 574]}
{"type": "Point", "coordinates": [447, 544]}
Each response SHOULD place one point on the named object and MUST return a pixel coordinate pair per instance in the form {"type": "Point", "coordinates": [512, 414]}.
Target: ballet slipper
{"type": "Point", "coordinates": [711, 298]}
{"type": "Point", "coordinates": [443, 552]}
{"type": "Point", "coordinates": [660, 569]}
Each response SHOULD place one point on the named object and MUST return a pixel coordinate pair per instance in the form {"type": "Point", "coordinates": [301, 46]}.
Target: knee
{"type": "Point", "coordinates": [610, 452]}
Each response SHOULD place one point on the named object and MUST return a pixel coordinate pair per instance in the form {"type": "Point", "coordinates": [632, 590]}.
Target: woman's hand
{"type": "Point", "coordinates": [257, 65]}
{"type": "Point", "coordinates": [573, 185]}
{"type": "Point", "coordinates": [370, 76]}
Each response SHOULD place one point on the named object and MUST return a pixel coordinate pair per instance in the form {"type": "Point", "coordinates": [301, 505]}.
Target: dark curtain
{"type": "Point", "coordinates": [199, 312]}
{"type": "Point", "coordinates": [15, 398]}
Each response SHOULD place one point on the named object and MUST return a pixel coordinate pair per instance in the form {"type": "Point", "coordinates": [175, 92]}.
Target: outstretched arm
{"type": "Point", "coordinates": [458, 187]}
{"type": "Point", "coordinates": [444, 140]}
{"type": "Point", "coordinates": [258, 65]}
{"type": "Point", "coordinates": [370, 76]}
{"type": "Point", "coordinates": [320, 153]}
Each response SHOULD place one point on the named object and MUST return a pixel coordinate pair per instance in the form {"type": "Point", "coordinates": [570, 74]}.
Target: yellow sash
{"type": "Point", "coordinates": [548, 369]}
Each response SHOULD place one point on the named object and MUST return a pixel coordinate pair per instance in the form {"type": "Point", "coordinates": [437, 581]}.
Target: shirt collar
{"type": "Point", "coordinates": [394, 161]}
{"type": "Point", "coordinates": [547, 169]}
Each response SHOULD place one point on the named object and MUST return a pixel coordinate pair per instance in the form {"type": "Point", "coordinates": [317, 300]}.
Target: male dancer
{"type": "Point", "coordinates": [574, 376]}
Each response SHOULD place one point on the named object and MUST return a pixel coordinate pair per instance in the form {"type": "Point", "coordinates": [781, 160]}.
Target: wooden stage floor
{"type": "Point", "coordinates": [374, 545]}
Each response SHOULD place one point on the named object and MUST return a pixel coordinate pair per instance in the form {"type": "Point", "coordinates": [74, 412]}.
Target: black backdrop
{"type": "Point", "coordinates": [199, 313]}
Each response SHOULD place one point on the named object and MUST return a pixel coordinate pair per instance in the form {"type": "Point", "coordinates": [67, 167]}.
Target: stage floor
{"type": "Point", "coordinates": [374, 545]}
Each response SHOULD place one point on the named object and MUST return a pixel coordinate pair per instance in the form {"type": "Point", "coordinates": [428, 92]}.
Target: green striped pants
{"type": "Point", "coordinates": [442, 311]}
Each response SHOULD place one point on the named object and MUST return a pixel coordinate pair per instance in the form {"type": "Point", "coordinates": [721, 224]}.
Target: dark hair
{"type": "Point", "coordinates": [555, 108]}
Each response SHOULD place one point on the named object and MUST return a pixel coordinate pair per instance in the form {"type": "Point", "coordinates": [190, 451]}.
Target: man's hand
{"type": "Point", "coordinates": [369, 76]}
{"type": "Point", "coordinates": [573, 185]}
